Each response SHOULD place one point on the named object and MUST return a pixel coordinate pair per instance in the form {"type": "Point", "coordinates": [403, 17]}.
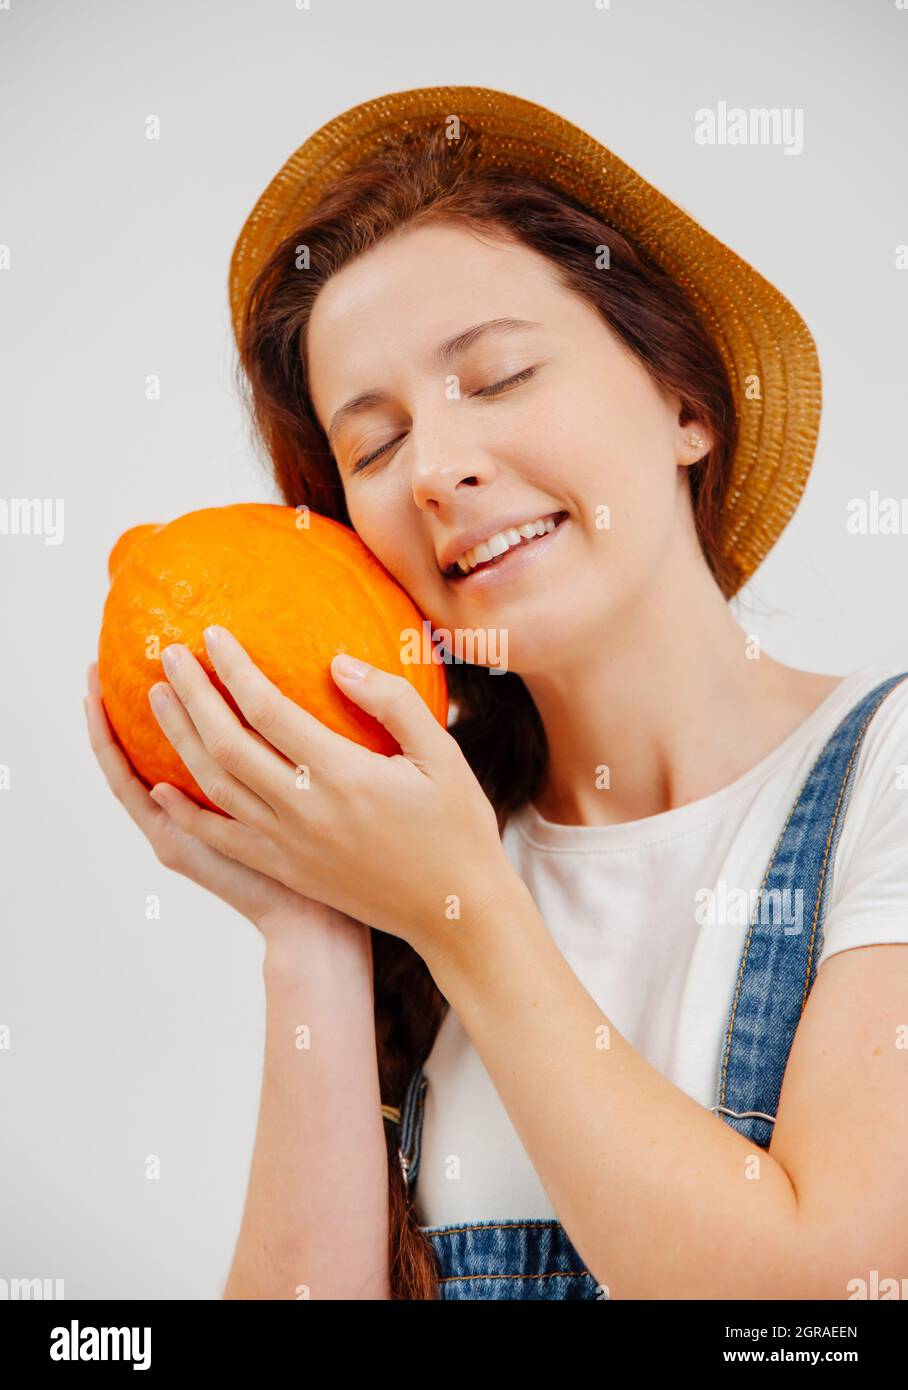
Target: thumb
{"type": "Point", "coordinates": [395, 703]}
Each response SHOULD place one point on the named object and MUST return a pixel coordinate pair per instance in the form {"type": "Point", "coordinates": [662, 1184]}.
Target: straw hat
{"type": "Point", "coordinates": [766, 346]}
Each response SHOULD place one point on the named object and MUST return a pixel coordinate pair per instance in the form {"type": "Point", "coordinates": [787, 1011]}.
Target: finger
{"type": "Point", "coordinates": [173, 846]}
{"type": "Point", "coordinates": [230, 793]}
{"type": "Point", "coordinates": [398, 705]}
{"type": "Point", "coordinates": [118, 772]}
{"type": "Point", "coordinates": [229, 837]}
{"type": "Point", "coordinates": [296, 732]}
{"type": "Point", "coordinates": [94, 682]}
{"type": "Point", "coordinates": [242, 752]}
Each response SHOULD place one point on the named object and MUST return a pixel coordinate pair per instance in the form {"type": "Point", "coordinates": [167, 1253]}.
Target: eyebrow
{"type": "Point", "coordinates": [446, 352]}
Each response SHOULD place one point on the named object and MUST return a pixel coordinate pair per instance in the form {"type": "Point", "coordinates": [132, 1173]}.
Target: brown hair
{"type": "Point", "coordinates": [425, 177]}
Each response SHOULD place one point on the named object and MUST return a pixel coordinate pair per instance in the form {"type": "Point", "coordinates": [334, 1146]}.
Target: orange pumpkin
{"type": "Point", "coordinates": [293, 587]}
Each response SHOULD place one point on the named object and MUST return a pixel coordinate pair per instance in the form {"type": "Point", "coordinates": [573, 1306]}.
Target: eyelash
{"type": "Point", "coordinates": [487, 391]}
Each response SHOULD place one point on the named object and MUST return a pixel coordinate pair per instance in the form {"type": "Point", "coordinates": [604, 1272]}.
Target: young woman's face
{"type": "Point", "coordinates": [554, 420]}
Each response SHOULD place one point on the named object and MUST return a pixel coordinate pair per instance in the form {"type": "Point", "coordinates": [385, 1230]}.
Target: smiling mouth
{"type": "Point", "coordinates": [453, 572]}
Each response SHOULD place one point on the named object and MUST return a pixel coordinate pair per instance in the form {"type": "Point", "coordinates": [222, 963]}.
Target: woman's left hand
{"type": "Point", "coordinates": [408, 844]}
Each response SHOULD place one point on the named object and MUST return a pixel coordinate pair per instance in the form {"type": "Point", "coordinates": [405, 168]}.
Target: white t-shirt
{"type": "Point", "coordinates": [625, 905]}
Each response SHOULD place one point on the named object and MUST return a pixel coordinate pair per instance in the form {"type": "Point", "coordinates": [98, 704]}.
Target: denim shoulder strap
{"type": "Point", "coordinates": [785, 935]}
{"type": "Point", "coordinates": [411, 1117]}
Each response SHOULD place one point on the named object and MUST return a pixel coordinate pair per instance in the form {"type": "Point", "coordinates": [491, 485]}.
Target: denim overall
{"type": "Point", "coordinates": [535, 1259]}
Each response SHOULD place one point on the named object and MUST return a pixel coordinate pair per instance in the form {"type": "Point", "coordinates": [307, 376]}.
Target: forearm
{"type": "Point", "coordinates": [315, 1223]}
{"type": "Point", "coordinates": [661, 1198]}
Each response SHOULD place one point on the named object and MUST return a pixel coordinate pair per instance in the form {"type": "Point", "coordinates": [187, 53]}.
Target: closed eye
{"type": "Point", "coordinates": [509, 381]}
{"type": "Point", "coordinates": [487, 391]}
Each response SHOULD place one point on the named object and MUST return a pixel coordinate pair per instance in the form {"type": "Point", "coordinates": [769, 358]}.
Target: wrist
{"type": "Point", "coordinates": [314, 940]}
{"type": "Point", "coordinates": [465, 946]}
{"type": "Point", "coordinates": [503, 963]}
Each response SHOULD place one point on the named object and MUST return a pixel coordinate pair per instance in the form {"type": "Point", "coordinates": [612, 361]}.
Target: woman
{"type": "Point", "coordinates": [602, 899]}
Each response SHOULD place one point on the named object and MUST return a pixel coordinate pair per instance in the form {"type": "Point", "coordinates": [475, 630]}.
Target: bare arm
{"type": "Point", "coordinates": [661, 1197]}
{"type": "Point", "coordinates": [316, 1218]}
{"type": "Point", "coordinates": [315, 1224]}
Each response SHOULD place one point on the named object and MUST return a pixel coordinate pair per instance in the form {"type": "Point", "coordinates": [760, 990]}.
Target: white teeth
{"type": "Point", "coordinates": [502, 541]}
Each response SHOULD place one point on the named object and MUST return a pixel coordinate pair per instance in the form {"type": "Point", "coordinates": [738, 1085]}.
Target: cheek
{"type": "Point", "coordinates": [624, 482]}
{"type": "Point", "coordinates": [380, 526]}
{"type": "Point", "coordinates": [641, 505]}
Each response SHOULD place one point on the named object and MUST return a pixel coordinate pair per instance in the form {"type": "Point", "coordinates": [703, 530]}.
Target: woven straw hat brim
{"type": "Point", "coordinates": [767, 349]}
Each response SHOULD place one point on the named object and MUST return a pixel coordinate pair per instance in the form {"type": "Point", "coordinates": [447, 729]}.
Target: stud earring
{"type": "Point", "coordinates": [696, 441]}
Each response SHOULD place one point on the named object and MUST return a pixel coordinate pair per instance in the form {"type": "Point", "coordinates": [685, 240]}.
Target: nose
{"type": "Point", "coordinates": [444, 465]}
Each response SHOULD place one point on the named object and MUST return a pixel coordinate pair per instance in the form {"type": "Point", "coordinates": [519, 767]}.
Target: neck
{"type": "Point", "coordinates": [669, 701]}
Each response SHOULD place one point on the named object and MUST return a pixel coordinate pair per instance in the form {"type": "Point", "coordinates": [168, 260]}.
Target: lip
{"type": "Point", "coordinates": [467, 539]}
{"type": "Point", "coordinates": [511, 563]}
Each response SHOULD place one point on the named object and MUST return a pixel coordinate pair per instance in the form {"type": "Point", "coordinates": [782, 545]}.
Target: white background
{"type": "Point", "coordinates": [131, 1037]}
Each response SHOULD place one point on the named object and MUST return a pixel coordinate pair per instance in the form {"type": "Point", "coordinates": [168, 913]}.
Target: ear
{"type": "Point", "coordinates": [694, 442]}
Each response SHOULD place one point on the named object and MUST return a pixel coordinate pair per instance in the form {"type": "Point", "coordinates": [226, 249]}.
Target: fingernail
{"type": "Point", "coordinates": [350, 666]}
{"type": "Point", "coordinates": [169, 658]}
{"type": "Point", "coordinates": [159, 695]}
{"type": "Point", "coordinates": [212, 636]}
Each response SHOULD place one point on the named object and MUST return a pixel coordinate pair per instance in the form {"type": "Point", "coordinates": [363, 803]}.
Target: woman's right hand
{"type": "Point", "coordinates": [272, 907]}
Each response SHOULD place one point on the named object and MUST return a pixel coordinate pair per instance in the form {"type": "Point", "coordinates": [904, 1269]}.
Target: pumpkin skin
{"type": "Point", "coordinates": [293, 587]}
